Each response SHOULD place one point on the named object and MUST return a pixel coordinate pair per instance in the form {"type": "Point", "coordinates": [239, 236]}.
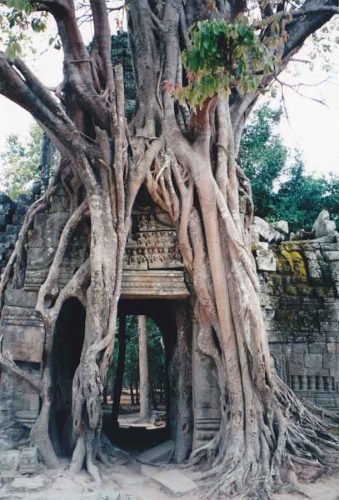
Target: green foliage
{"type": "Point", "coordinates": [263, 157]}
{"type": "Point", "coordinates": [223, 55]}
{"type": "Point", "coordinates": [301, 198]}
{"type": "Point", "coordinates": [156, 357]}
{"type": "Point", "coordinates": [18, 19]}
{"type": "Point", "coordinates": [282, 191]}
{"type": "Point", "coordinates": [20, 163]}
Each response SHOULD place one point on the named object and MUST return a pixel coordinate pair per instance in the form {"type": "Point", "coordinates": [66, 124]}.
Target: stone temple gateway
{"type": "Point", "coordinates": [299, 297]}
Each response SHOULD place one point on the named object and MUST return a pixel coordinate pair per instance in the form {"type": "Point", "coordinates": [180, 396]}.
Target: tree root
{"type": "Point", "coordinates": [16, 256]}
{"type": "Point", "coordinates": [305, 449]}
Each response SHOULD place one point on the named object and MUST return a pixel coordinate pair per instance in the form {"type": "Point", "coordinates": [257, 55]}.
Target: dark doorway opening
{"type": "Point", "coordinates": [67, 346]}
{"type": "Point", "coordinates": [131, 431]}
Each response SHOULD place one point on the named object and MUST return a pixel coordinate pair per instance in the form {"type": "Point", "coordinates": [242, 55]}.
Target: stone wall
{"type": "Point", "coordinates": [300, 299]}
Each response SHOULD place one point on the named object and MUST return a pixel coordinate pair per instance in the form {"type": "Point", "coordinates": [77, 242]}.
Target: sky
{"type": "Point", "coordinates": [311, 127]}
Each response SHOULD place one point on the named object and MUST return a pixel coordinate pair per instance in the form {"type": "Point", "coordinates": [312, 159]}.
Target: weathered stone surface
{"type": "Point", "coordinates": [23, 332]}
{"type": "Point", "coordinates": [9, 463]}
{"type": "Point", "coordinates": [313, 361]}
{"type": "Point", "coordinates": [281, 226]}
{"type": "Point", "coordinates": [332, 256]}
{"type": "Point", "coordinates": [266, 262]}
{"type": "Point", "coordinates": [29, 463]}
{"type": "Point", "coordinates": [98, 495]}
{"type": "Point", "coordinates": [28, 483]}
{"type": "Point", "coordinates": [323, 226]}
{"type": "Point", "coordinates": [20, 298]}
{"type": "Point", "coordinates": [154, 284]}
{"type": "Point", "coordinates": [160, 454]}
{"type": "Point", "coordinates": [266, 231]}
{"type": "Point", "coordinates": [174, 482]}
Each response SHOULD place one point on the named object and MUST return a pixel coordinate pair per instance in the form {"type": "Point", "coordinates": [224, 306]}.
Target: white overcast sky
{"type": "Point", "coordinates": [310, 127]}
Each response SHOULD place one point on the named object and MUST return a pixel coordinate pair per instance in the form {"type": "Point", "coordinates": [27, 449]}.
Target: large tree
{"type": "Point", "coordinates": [182, 143]}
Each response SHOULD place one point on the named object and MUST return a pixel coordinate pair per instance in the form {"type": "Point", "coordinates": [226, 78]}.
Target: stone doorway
{"type": "Point", "coordinates": [173, 320]}
{"type": "Point", "coordinates": [67, 346]}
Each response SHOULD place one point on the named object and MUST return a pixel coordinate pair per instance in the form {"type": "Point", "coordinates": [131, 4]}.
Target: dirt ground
{"type": "Point", "coordinates": [134, 482]}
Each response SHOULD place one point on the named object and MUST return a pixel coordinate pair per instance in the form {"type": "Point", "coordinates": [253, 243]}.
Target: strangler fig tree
{"type": "Point", "coordinates": [199, 68]}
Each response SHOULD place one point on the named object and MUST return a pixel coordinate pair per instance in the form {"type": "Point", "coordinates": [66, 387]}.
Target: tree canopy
{"type": "Point", "coordinates": [280, 185]}
{"type": "Point", "coordinates": [20, 162]}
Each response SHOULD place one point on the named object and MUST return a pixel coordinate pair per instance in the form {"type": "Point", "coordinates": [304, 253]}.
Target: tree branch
{"type": "Point", "coordinates": [7, 361]}
{"type": "Point", "coordinates": [311, 16]}
{"type": "Point", "coordinates": [57, 124]}
{"type": "Point", "coordinates": [102, 36]}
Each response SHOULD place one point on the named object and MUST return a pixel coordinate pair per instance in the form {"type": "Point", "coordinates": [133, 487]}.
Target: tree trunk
{"type": "Point", "coordinates": [131, 393]}
{"type": "Point", "coordinates": [137, 394]}
{"type": "Point", "coordinates": [145, 407]}
{"type": "Point", "coordinates": [154, 397]}
{"type": "Point", "coordinates": [120, 371]}
{"type": "Point", "coordinates": [181, 381]}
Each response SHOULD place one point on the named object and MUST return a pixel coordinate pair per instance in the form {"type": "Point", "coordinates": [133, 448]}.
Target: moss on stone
{"type": "Point", "coordinates": [296, 262]}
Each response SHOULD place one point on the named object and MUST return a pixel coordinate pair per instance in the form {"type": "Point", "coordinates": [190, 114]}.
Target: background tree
{"type": "Point", "coordinates": [156, 360]}
{"type": "Point", "coordinates": [199, 69]}
{"type": "Point", "coordinates": [301, 198]}
{"type": "Point", "coordinates": [280, 186]}
{"type": "Point", "coordinates": [145, 407]}
{"type": "Point", "coordinates": [20, 162]}
{"type": "Point", "coordinates": [263, 156]}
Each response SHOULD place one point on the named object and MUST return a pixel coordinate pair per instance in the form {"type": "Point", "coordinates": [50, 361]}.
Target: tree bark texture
{"type": "Point", "coordinates": [187, 160]}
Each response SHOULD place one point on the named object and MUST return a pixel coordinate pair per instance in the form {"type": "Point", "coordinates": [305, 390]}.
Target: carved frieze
{"type": "Point", "coordinates": [152, 243]}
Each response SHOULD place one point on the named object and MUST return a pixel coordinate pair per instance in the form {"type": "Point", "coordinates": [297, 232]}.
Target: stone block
{"type": "Point", "coordinates": [157, 455]}
{"type": "Point", "coordinates": [328, 326]}
{"type": "Point", "coordinates": [97, 495]}
{"type": "Point", "coordinates": [266, 263]}
{"type": "Point", "coordinates": [329, 315]}
{"type": "Point", "coordinates": [313, 361]}
{"type": "Point", "coordinates": [154, 284]}
{"type": "Point", "coordinates": [20, 298]}
{"type": "Point", "coordinates": [296, 364]}
{"type": "Point", "coordinates": [332, 347]}
{"type": "Point", "coordinates": [39, 258]}
{"type": "Point", "coordinates": [174, 482]}
{"type": "Point", "coordinates": [9, 463]}
{"type": "Point", "coordinates": [281, 226]}
{"type": "Point", "coordinates": [23, 332]}
{"type": "Point", "coordinates": [296, 348]}
{"type": "Point", "coordinates": [261, 245]}
{"type": "Point", "coordinates": [310, 254]}
{"type": "Point", "coordinates": [29, 463]}
{"type": "Point", "coordinates": [323, 226]}
{"type": "Point", "coordinates": [317, 348]}
{"type": "Point", "coordinates": [314, 269]}
{"type": "Point", "coordinates": [269, 314]}
{"type": "Point", "coordinates": [28, 483]}
{"type": "Point", "coordinates": [3, 221]}
{"type": "Point", "coordinates": [332, 256]}
{"type": "Point", "coordinates": [47, 229]}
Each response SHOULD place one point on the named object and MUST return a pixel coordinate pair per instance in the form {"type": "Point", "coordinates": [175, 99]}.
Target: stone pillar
{"type": "Point", "coordinates": [145, 409]}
